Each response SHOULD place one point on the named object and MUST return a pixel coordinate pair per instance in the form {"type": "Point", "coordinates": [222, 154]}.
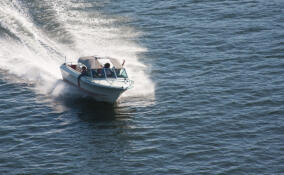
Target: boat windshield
{"type": "Point", "coordinates": [109, 73]}
{"type": "Point", "coordinates": [121, 73]}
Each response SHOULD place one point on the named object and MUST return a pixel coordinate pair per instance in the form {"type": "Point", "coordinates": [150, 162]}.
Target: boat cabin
{"type": "Point", "coordinates": [97, 67]}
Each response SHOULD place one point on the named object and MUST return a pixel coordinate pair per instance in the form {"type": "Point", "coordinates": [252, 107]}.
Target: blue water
{"type": "Point", "coordinates": [208, 96]}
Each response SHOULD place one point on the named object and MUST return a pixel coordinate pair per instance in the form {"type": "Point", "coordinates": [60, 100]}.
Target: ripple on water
{"type": "Point", "coordinates": [218, 109]}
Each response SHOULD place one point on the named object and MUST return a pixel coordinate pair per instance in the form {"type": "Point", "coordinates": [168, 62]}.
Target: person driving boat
{"type": "Point", "coordinates": [107, 69]}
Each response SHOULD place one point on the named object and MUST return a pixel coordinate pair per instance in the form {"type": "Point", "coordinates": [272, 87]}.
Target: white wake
{"type": "Point", "coordinates": [34, 54]}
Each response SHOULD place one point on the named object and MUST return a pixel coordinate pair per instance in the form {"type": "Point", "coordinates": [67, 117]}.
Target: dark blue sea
{"type": "Point", "coordinates": [208, 96]}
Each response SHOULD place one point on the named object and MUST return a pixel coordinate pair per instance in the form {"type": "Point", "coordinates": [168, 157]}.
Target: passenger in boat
{"type": "Point", "coordinates": [107, 69]}
{"type": "Point", "coordinates": [107, 65]}
{"type": "Point", "coordinates": [100, 73]}
{"type": "Point", "coordinates": [83, 73]}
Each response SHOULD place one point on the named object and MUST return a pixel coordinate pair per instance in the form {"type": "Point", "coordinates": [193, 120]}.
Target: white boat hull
{"type": "Point", "coordinates": [97, 91]}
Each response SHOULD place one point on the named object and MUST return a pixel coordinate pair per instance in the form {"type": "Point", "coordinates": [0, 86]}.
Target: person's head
{"type": "Point", "coordinates": [84, 68]}
{"type": "Point", "coordinates": [107, 65]}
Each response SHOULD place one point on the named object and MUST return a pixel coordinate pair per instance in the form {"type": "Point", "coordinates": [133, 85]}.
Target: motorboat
{"type": "Point", "coordinates": [104, 78]}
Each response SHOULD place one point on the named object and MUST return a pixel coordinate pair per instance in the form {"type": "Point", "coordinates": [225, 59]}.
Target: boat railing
{"type": "Point", "coordinates": [131, 83]}
{"type": "Point", "coordinates": [69, 63]}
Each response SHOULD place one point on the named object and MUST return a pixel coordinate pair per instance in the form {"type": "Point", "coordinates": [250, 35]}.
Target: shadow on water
{"type": "Point", "coordinates": [87, 109]}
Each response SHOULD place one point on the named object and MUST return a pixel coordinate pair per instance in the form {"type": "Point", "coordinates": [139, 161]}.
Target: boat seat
{"type": "Point", "coordinates": [73, 67]}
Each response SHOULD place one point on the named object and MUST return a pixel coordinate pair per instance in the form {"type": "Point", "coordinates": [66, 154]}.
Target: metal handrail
{"type": "Point", "coordinates": [113, 69]}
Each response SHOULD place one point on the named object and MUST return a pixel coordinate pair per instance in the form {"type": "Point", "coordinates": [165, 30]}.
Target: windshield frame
{"type": "Point", "coordinates": [103, 73]}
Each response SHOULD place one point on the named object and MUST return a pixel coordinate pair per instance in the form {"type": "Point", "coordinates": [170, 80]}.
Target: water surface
{"type": "Point", "coordinates": [209, 87]}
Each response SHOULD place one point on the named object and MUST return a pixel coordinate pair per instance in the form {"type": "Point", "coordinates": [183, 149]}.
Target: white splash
{"type": "Point", "coordinates": [36, 58]}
